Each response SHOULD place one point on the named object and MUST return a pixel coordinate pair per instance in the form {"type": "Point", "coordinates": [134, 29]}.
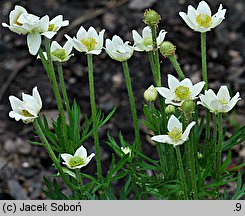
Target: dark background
{"type": "Point", "coordinates": [22, 165]}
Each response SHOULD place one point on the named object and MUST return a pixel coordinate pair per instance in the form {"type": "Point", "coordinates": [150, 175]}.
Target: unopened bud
{"type": "Point", "coordinates": [126, 150]}
{"type": "Point", "coordinates": [167, 49]}
{"type": "Point", "coordinates": [150, 94]}
{"type": "Point", "coordinates": [199, 155]}
{"type": "Point", "coordinates": [170, 109]}
{"type": "Point", "coordinates": [152, 18]}
{"type": "Point", "coordinates": [188, 106]}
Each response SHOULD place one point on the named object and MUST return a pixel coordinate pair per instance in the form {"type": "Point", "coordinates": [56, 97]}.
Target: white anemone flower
{"type": "Point", "coordinates": [220, 103]}
{"type": "Point", "coordinates": [78, 160]}
{"type": "Point", "coordinates": [118, 50]}
{"type": "Point", "coordinates": [54, 25]}
{"type": "Point", "coordinates": [59, 53]}
{"type": "Point", "coordinates": [26, 109]}
{"type": "Point", "coordinates": [201, 19]}
{"type": "Point", "coordinates": [22, 22]}
{"type": "Point", "coordinates": [89, 41]}
{"type": "Point", "coordinates": [179, 91]}
{"type": "Point", "coordinates": [175, 136]}
{"type": "Point", "coordinates": [144, 42]}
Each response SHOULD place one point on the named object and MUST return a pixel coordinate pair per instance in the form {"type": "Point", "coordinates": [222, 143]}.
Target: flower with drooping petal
{"type": "Point", "coordinates": [118, 50]}
{"type": "Point", "coordinates": [144, 42]}
{"type": "Point", "coordinates": [59, 53]}
{"type": "Point", "coordinates": [78, 160]}
{"type": "Point", "coordinates": [220, 103]}
{"type": "Point", "coordinates": [54, 25]}
{"type": "Point", "coordinates": [22, 22]}
{"type": "Point", "coordinates": [175, 136]}
{"type": "Point", "coordinates": [201, 19]}
{"type": "Point", "coordinates": [89, 41]}
{"type": "Point", "coordinates": [26, 109]}
{"type": "Point", "coordinates": [179, 91]}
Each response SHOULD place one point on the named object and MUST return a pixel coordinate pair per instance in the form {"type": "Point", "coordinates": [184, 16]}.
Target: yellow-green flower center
{"type": "Point", "coordinates": [89, 43]}
{"type": "Point", "coordinates": [76, 161]}
{"type": "Point", "coordinates": [175, 134]}
{"type": "Point", "coordinates": [59, 53]}
{"type": "Point", "coordinates": [223, 102]}
{"type": "Point", "coordinates": [182, 92]}
{"type": "Point", "coordinates": [26, 113]}
{"type": "Point", "coordinates": [204, 20]}
{"type": "Point", "coordinates": [51, 27]}
{"type": "Point", "coordinates": [147, 41]}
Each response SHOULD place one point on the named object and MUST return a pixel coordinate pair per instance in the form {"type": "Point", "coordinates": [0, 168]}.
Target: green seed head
{"type": "Point", "coordinates": [204, 20]}
{"type": "Point", "coordinates": [26, 113]}
{"type": "Point", "coordinates": [182, 92]}
{"type": "Point", "coordinates": [199, 155]}
{"type": "Point", "coordinates": [188, 106]}
{"type": "Point", "coordinates": [175, 134]}
{"type": "Point", "coordinates": [150, 94]}
{"type": "Point", "coordinates": [59, 53]}
{"type": "Point", "coordinates": [167, 49]}
{"type": "Point", "coordinates": [51, 27]}
{"type": "Point", "coordinates": [76, 161]}
{"type": "Point", "coordinates": [152, 18]}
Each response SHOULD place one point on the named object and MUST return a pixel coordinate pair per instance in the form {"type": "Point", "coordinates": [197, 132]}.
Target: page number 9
{"type": "Point", "coordinates": [238, 207]}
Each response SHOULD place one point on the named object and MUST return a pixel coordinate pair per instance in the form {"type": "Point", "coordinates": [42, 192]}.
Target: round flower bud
{"type": "Point", "coordinates": [167, 49]}
{"type": "Point", "coordinates": [170, 109]}
{"type": "Point", "coordinates": [199, 155]}
{"type": "Point", "coordinates": [188, 106]}
{"type": "Point", "coordinates": [150, 94]}
{"type": "Point", "coordinates": [152, 18]}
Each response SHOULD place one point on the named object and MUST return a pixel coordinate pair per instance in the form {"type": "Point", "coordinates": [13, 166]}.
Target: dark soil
{"type": "Point", "coordinates": [23, 165]}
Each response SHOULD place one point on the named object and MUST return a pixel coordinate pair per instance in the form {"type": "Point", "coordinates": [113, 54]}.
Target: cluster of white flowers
{"type": "Point", "coordinates": [91, 42]}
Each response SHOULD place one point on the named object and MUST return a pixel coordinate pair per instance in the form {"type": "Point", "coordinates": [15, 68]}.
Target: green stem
{"type": "Point", "coordinates": [94, 117]}
{"type": "Point", "coordinates": [56, 91]}
{"type": "Point", "coordinates": [182, 173]}
{"type": "Point", "coordinates": [220, 140]}
{"type": "Point", "coordinates": [132, 104]}
{"type": "Point", "coordinates": [156, 56]}
{"type": "Point", "coordinates": [52, 155]}
{"type": "Point", "coordinates": [63, 88]}
{"type": "Point", "coordinates": [213, 150]}
{"type": "Point", "coordinates": [79, 182]}
{"type": "Point", "coordinates": [163, 161]}
{"type": "Point", "coordinates": [204, 60]}
{"type": "Point", "coordinates": [177, 67]}
{"type": "Point", "coordinates": [153, 68]}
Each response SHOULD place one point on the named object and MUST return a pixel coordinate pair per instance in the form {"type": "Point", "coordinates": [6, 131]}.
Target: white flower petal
{"type": "Point", "coordinates": [36, 96]}
{"type": "Point", "coordinates": [187, 20]}
{"type": "Point", "coordinates": [81, 151]}
{"type": "Point", "coordinates": [196, 89]}
{"type": "Point", "coordinates": [187, 83]}
{"type": "Point", "coordinates": [186, 133]}
{"type": "Point", "coordinates": [173, 122]}
{"type": "Point", "coordinates": [166, 93]}
{"type": "Point", "coordinates": [223, 93]}
{"type": "Point", "coordinates": [160, 138]}
{"type": "Point", "coordinates": [66, 157]}
{"type": "Point", "coordinates": [173, 82]}
{"type": "Point", "coordinates": [34, 42]}
{"type": "Point", "coordinates": [203, 8]}
{"type": "Point", "coordinates": [49, 34]}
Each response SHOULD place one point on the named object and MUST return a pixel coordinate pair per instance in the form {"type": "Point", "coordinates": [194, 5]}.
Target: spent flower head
{"type": "Point", "coordinates": [151, 17]}
{"type": "Point", "coordinates": [175, 135]}
{"type": "Point", "coordinates": [26, 109]}
{"type": "Point", "coordinates": [220, 103]}
{"type": "Point", "coordinates": [117, 49]}
{"type": "Point", "coordinates": [201, 19]}
{"type": "Point", "coordinates": [144, 42]}
{"type": "Point", "coordinates": [89, 41]}
{"type": "Point", "coordinates": [167, 49]}
{"type": "Point", "coordinates": [78, 160]}
{"type": "Point", "coordinates": [179, 91]}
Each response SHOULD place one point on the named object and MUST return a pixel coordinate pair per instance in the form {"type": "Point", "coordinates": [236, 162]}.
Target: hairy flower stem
{"type": "Point", "coordinates": [220, 140]}
{"type": "Point", "coordinates": [177, 67]}
{"type": "Point", "coordinates": [182, 173]}
{"type": "Point", "coordinates": [205, 79]}
{"type": "Point", "coordinates": [63, 88]}
{"type": "Point", "coordinates": [214, 147]}
{"type": "Point", "coordinates": [94, 117]}
{"type": "Point", "coordinates": [54, 83]}
{"type": "Point", "coordinates": [153, 68]}
{"type": "Point", "coordinates": [52, 155]}
{"type": "Point", "coordinates": [79, 183]}
{"type": "Point", "coordinates": [132, 104]}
